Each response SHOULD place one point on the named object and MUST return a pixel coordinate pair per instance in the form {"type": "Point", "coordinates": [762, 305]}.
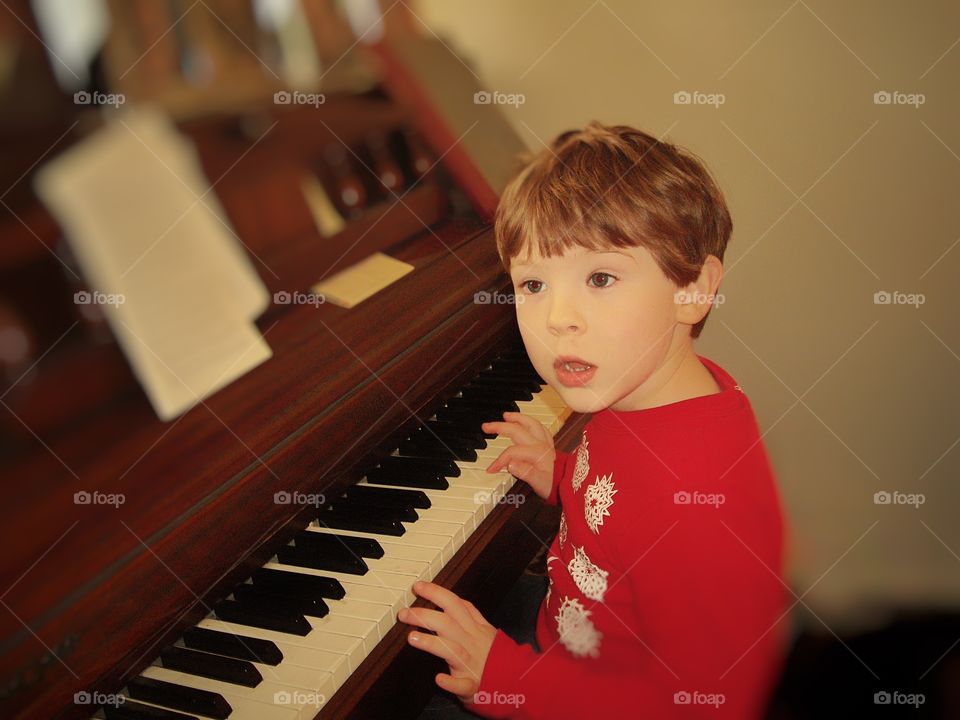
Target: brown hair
{"type": "Point", "coordinates": [615, 186]}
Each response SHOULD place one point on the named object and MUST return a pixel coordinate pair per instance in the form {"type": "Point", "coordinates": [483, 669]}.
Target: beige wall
{"type": "Point", "coordinates": [833, 198]}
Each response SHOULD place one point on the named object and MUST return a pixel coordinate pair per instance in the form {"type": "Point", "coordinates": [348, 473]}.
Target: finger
{"type": "Point", "coordinates": [445, 600]}
{"type": "Point", "coordinates": [441, 623]}
{"type": "Point", "coordinates": [513, 430]}
{"type": "Point", "coordinates": [448, 650]}
{"type": "Point", "coordinates": [515, 454]}
{"type": "Point", "coordinates": [475, 614]}
{"type": "Point", "coordinates": [531, 425]}
{"type": "Point", "coordinates": [463, 687]}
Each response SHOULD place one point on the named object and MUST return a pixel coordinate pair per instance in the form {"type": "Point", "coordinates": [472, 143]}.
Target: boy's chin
{"type": "Point", "coordinates": [580, 400]}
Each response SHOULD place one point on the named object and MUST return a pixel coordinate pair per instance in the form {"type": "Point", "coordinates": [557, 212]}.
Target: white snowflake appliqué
{"type": "Point", "coordinates": [591, 580]}
{"type": "Point", "coordinates": [582, 468]}
{"type": "Point", "coordinates": [546, 600]}
{"type": "Point", "coordinates": [576, 629]}
{"type": "Point", "coordinates": [563, 529]}
{"type": "Point", "coordinates": [597, 500]}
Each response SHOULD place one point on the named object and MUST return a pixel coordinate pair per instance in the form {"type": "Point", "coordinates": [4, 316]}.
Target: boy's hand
{"type": "Point", "coordinates": [531, 456]}
{"type": "Point", "coordinates": [463, 638]}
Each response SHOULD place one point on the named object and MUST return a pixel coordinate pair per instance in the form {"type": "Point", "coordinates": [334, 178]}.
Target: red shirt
{"type": "Point", "coordinates": [665, 596]}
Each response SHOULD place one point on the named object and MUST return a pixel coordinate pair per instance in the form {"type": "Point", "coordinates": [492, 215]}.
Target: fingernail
{"type": "Point", "coordinates": [414, 638]}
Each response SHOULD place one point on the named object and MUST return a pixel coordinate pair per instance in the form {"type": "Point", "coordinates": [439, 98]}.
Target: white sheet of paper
{"type": "Point", "coordinates": [144, 224]}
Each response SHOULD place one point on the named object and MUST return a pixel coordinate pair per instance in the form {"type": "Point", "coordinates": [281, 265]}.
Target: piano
{"type": "Point", "coordinates": [248, 559]}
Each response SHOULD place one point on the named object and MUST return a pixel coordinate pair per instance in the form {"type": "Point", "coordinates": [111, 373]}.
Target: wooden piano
{"type": "Point", "coordinates": [269, 536]}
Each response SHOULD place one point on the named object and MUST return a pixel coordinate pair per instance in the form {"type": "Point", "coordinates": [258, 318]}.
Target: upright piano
{"type": "Point", "coordinates": [248, 559]}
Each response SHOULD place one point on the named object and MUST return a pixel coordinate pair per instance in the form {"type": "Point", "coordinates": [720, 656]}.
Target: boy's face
{"type": "Point", "coordinates": [614, 310]}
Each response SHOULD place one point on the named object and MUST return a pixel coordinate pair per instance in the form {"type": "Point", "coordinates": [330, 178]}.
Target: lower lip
{"type": "Point", "coordinates": [574, 379]}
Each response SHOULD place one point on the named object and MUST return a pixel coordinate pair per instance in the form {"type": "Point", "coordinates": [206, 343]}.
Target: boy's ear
{"type": "Point", "coordinates": [694, 301]}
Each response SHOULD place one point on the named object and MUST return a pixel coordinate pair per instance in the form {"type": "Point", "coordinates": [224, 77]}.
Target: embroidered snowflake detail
{"type": "Point", "coordinates": [563, 529]}
{"type": "Point", "coordinates": [550, 559]}
{"type": "Point", "coordinates": [597, 500]}
{"type": "Point", "coordinates": [591, 580]}
{"type": "Point", "coordinates": [582, 468]}
{"type": "Point", "coordinates": [576, 630]}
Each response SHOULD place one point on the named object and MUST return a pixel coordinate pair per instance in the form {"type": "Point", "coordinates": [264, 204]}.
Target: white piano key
{"type": "Point", "coordinates": [460, 518]}
{"type": "Point", "coordinates": [412, 538]}
{"type": "Point", "coordinates": [402, 551]}
{"type": "Point", "coordinates": [399, 583]}
{"type": "Point", "coordinates": [317, 650]}
{"type": "Point", "coordinates": [344, 646]}
{"type": "Point", "coordinates": [259, 702]}
{"type": "Point", "coordinates": [350, 607]}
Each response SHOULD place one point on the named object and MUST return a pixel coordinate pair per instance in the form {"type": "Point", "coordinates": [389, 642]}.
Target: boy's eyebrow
{"type": "Point", "coordinates": [589, 252]}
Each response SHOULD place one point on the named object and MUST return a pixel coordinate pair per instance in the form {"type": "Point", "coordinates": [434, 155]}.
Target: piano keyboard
{"type": "Point", "coordinates": [282, 643]}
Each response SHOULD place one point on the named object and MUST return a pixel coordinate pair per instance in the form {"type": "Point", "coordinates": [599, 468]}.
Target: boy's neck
{"type": "Point", "coordinates": [681, 377]}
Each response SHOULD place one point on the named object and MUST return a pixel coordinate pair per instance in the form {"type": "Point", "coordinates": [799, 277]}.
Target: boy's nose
{"type": "Point", "coordinates": [565, 318]}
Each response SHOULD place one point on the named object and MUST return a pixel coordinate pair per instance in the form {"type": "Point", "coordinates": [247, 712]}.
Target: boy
{"type": "Point", "coordinates": [665, 595]}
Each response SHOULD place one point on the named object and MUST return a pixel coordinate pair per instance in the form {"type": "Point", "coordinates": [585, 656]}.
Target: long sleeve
{"type": "Point", "coordinates": [521, 684]}
{"type": "Point", "coordinates": [559, 470]}
{"type": "Point", "coordinates": [709, 634]}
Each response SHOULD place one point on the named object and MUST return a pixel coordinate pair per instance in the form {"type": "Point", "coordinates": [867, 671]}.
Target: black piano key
{"type": "Point", "coordinates": [235, 646]}
{"type": "Point", "coordinates": [395, 511]}
{"type": "Point", "coordinates": [259, 597]}
{"type": "Point", "coordinates": [471, 437]}
{"type": "Point", "coordinates": [476, 416]}
{"type": "Point", "coordinates": [492, 378]}
{"type": "Point", "coordinates": [520, 369]}
{"type": "Point", "coordinates": [364, 547]}
{"type": "Point", "coordinates": [135, 711]}
{"type": "Point", "coordinates": [411, 480]}
{"type": "Point", "coordinates": [516, 392]}
{"type": "Point", "coordinates": [299, 584]}
{"type": "Point", "coordinates": [279, 620]}
{"type": "Point", "coordinates": [215, 667]}
{"type": "Point", "coordinates": [417, 467]}
{"type": "Point", "coordinates": [468, 424]}
{"type": "Point", "coordinates": [364, 493]}
{"type": "Point", "coordinates": [305, 556]}
{"type": "Point", "coordinates": [502, 405]}
{"type": "Point", "coordinates": [179, 697]}
{"type": "Point", "coordinates": [491, 394]}
{"type": "Point", "coordinates": [434, 447]}
{"type": "Point", "coordinates": [336, 520]}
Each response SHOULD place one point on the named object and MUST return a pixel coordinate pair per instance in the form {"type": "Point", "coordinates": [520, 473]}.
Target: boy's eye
{"type": "Point", "coordinates": [532, 286]}
{"type": "Point", "coordinates": [601, 279]}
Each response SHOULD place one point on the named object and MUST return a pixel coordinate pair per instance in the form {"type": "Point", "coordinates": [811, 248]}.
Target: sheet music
{"type": "Point", "coordinates": [145, 226]}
